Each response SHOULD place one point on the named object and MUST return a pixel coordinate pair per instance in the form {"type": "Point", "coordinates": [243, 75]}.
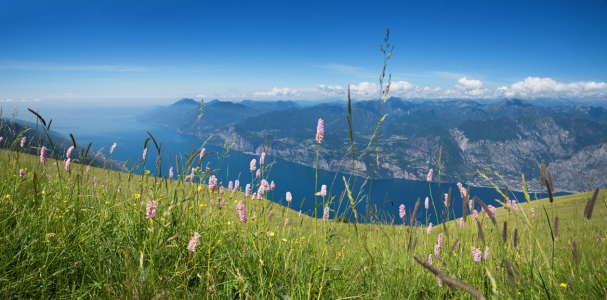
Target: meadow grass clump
{"type": "Point", "coordinates": [88, 232]}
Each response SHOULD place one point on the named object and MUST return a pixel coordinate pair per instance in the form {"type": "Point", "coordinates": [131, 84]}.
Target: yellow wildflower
{"type": "Point", "coordinates": [199, 188]}
{"type": "Point", "coordinates": [284, 240]}
{"type": "Point", "coordinates": [229, 223]}
{"type": "Point", "coordinates": [564, 285]}
{"type": "Point", "coordinates": [147, 172]}
{"type": "Point", "coordinates": [43, 192]}
{"type": "Point", "coordinates": [137, 196]}
{"type": "Point", "coordinates": [271, 233]}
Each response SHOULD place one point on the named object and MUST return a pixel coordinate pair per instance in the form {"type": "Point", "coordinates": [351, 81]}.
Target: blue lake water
{"type": "Point", "coordinates": [103, 127]}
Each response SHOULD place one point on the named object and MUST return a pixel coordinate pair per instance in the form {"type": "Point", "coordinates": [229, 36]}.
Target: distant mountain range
{"type": "Point", "coordinates": [510, 137]}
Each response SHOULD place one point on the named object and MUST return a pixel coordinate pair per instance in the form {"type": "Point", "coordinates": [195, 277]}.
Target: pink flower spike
{"type": "Point", "coordinates": [253, 165]}
{"type": "Point", "coordinates": [212, 183]}
{"type": "Point", "coordinates": [202, 153]}
{"type": "Point", "coordinates": [194, 242]}
{"type": "Point", "coordinates": [43, 157]}
{"type": "Point", "coordinates": [22, 142]}
{"type": "Point", "coordinates": [76, 263]}
{"type": "Point", "coordinates": [247, 191]}
{"type": "Point", "coordinates": [230, 186]}
{"type": "Point", "coordinates": [242, 212]}
{"type": "Point", "coordinates": [440, 240]}
{"type": "Point", "coordinates": [290, 198]}
{"type": "Point", "coordinates": [323, 191]}
{"type": "Point", "coordinates": [475, 214]}
{"type": "Point", "coordinates": [67, 164]}
{"type": "Point", "coordinates": [151, 209]}
{"type": "Point", "coordinates": [487, 253]}
{"type": "Point", "coordinates": [21, 173]}
{"type": "Point", "coordinates": [326, 213]}
{"type": "Point", "coordinates": [429, 228]}
{"type": "Point", "coordinates": [286, 222]}
{"type": "Point", "coordinates": [461, 223]}
{"type": "Point", "coordinates": [145, 153]}
{"type": "Point", "coordinates": [320, 131]}
{"type": "Point", "coordinates": [476, 255]}
{"type": "Point", "coordinates": [262, 158]}
{"type": "Point", "coordinates": [272, 186]}
{"type": "Point", "coordinates": [171, 172]}
{"type": "Point", "coordinates": [427, 203]}
{"type": "Point", "coordinates": [532, 212]}
{"type": "Point", "coordinates": [69, 151]}
{"type": "Point", "coordinates": [236, 186]}
{"type": "Point", "coordinates": [401, 211]}
{"type": "Point", "coordinates": [254, 196]}
{"type": "Point", "coordinates": [430, 258]}
{"type": "Point", "coordinates": [258, 174]}
{"type": "Point", "coordinates": [436, 250]}
{"type": "Point", "coordinates": [112, 148]}
{"type": "Point", "coordinates": [430, 176]}
{"type": "Point", "coordinates": [221, 190]}
{"type": "Point", "coordinates": [447, 200]}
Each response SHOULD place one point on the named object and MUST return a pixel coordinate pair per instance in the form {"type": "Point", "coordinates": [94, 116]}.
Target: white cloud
{"type": "Point", "coordinates": [331, 91]}
{"type": "Point", "coordinates": [530, 88]}
{"type": "Point", "coordinates": [278, 92]}
{"type": "Point", "coordinates": [466, 84]}
{"type": "Point", "coordinates": [200, 96]}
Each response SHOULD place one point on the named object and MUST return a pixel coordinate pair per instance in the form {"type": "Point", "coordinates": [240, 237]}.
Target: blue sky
{"type": "Point", "coordinates": [232, 50]}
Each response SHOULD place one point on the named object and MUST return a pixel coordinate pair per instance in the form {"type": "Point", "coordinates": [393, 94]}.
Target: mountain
{"type": "Point", "coordinates": [266, 106]}
{"type": "Point", "coordinates": [510, 137]}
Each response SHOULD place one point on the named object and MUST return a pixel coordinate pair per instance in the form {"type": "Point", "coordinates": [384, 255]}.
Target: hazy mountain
{"type": "Point", "coordinates": [510, 136]}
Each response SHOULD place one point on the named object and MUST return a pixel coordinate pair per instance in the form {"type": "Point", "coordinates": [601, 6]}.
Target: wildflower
{"type": "Point", "coordinates": [88, 168]}
{"type": "Point", "coordinates": [436, 249]}
{"type": "Point", "coordinates": [212, 183]}
{"type": "Point", "coordinates": [514, 205]}
{"type": "Point", "coordinates": [69, 151]}
{"type": "Point", "coordinates": [260, 191]}
{"type": "Point", "coordinates": [323, 191]}
{"type": "Point", "coordinates": [137, 196]}
{"type": "Point", "coordinates": [462, 190]}
{"type": "Point", "coordinates": [429, 228]}
{"type": "Point", "coordinates": [430, 258]}
{"type": "Point", "coordinates": [171, 172]}
{"type": "Point", "coordinates": [299, 213]}
{"type": "Point", "coordinates": [247, 192]}
{"type": "Point", "coordinates": [271, 233]}
{"type": "Point", "coordinates": [286, 222]}
{"type": "Point", "coordinates": [270, 214]}
{"type": "Point", "coordinates": [427, 203]}
{"type": "Point", "coordinates": [202, 153]}
{"type": "Point", "coordinates": [151, 209]}
{"type": "Point", "coordinates": [236, 186]}
{"type": "Point", "coordinates": [401, 211]}
{"type": "Point", "coordinates": [192, 174]}
{"type": "Point", "coordinates": [21, 173]}
{"type": "Point", "coordinates": [67, 164]}
{"type": "Point", "coordinates": [253, 162]}
{"type": "Point", "coordinates": [569, 242]}
{"type": "Point", "coordinates": [242, 211]}
{"type": "Point", "coordinates": [194, 242]}
{"type": "Point", "coordinates": [145, 153]}
{"type": "Point", "coordinates": [440, 240]}
{"type": "Point", "coordinates": [563, 285]}
{"type": "Point", "coordinates": [306, 218]}
{"type": "Point", "coordinates": [262, 158]}
{"type": "Point", "coordinates": [532, 212]}
{"type": "Point", "coordinates": [119, 189]}
{"type": "Point", "coordinates": [1, 138]}
{"type": "Point", "coordinates": [290, 198]}
{"type": "Point", "coordinates": [320, 131]}
{"type": "Point", "coordinates": [222, 202]}
{"type": "Point", "coordinates": [447, 200]}
{"type": "Point", "coordinates": [475, 214]}
{"type": "Point", "coordinates": [254, 196]}
{"type": "Point", "coordinates": [221, 190]}
{"type": "Point", "coordinates": [326, 214]}
{"type": "Point", "coordinates": [476, 253]}
{"type": "Point", "coordinates": [258, 174]}
{"type": "Point", "coordinates": [230, 186]}
{"type": "Point", "coordinates": [22, 142]}
{"type": "Point", "coordinates": [486, 252]}
{"type": "Point", "coordinates": [147, 172]}
{"type": "Point", "coordinates": [272, 186]}
{"type": "Point", "coordinates": [461, 223]}
{"type": "Point", "coordinates": [430, 176]}
{"type": "Point", "coordinates": [112, 148]}
{"type": "Point", "coordinates": [439, 281]}
{"type": "Point", "coordinates": [471, 205]}
{"type": "Point", "coordinates": [76, 263]}
{"type": "Point", "coordinates": [43, 157]}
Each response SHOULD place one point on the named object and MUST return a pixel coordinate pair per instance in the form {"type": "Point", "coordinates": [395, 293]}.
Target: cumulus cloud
{"type": "Point", "coordinates": [530, 88]}
{"type": "Point", "coordinates": [278, 92]}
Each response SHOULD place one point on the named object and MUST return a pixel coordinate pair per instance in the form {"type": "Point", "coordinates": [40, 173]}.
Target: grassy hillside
{"type": "Point", "coordinates": [75, 235]}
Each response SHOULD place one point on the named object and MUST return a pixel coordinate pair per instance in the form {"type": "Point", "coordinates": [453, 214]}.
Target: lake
{"type": "Point", "coordinates": [104, 127]}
